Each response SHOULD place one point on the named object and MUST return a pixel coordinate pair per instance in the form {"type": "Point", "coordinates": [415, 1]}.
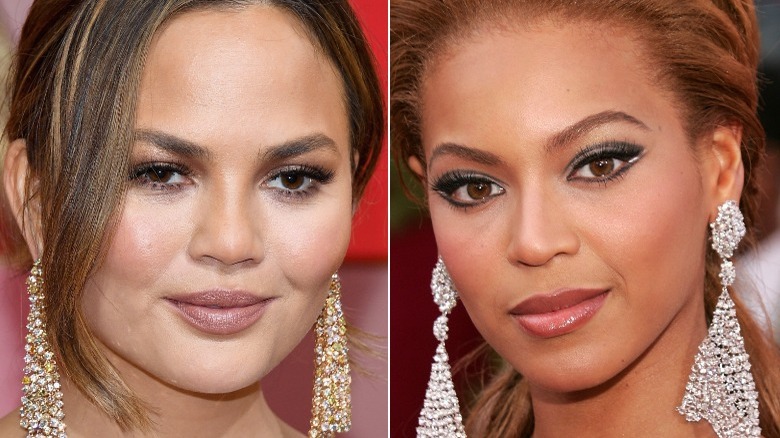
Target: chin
{"type": "Point", "coordinates": [571, 371]}
{"type": "Point", "coordinates": [208, 381]}
{"type": "Point", "coordinates": [567, 383]}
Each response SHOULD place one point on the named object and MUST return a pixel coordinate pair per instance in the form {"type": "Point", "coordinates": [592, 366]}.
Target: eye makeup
{"type": "Point", "coordinates": [466, 188]}
{"type": "Point", "coordinates": [160, 176]}
{"type": "Point", "coordinates": [604, 161]}
{"type": "Point", "coordinates": [298, 181]}
{"type": "Point", "coordinates": [597, 163]}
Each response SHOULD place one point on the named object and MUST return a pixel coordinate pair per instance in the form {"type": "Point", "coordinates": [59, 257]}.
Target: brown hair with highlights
{"type": "Point", "coordinates": [73, 96]}
{"type": "Point", "coordinates": [703, 52]}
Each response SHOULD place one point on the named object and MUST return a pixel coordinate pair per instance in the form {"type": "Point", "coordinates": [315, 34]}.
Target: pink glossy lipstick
{"type": "Point", "coordinates": [559, 312]}
{"type": "Point", "coordinates": [220, 312]}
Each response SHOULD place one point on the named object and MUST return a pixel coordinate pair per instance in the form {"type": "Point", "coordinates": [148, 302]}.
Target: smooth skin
{"type": "Point", "coordinates": [505, 114]}
{"type": "Point", "coordinates": [259, 200]}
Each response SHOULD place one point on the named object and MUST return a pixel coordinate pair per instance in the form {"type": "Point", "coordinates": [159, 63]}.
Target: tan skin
{"type": "Point", "coordinates": [242, 213]}
{"type": "Point", "coordinates": [630, 219]}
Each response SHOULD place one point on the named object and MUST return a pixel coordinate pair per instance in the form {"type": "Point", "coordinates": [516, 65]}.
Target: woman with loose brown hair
{"type": "Point", "coordinates": [573, 154]}
{"type": "Point", "coordinates": [184, 173]}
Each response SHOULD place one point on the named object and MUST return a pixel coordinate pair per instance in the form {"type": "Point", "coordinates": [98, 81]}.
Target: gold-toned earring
{"type": "Point", "coordinates": [331, 405]}
{"type": "Point", "coordinates": [41, 412]}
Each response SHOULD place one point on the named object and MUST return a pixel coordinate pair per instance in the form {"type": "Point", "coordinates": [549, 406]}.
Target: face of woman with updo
{"type": "Point", "coordinates": [239, 205]}
{"type": "Point", "coordinates": [568, 202]}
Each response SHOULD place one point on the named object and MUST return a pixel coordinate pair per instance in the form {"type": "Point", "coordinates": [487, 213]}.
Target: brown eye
{"type": "Point", "coordinates": [468, 191]}
{"type": "Point", "coordinates": [160, 175]}
{"type": "Point", "coordinates": [601, 168]}
{"type": "Point", "coordinates": [292, 181]}
{"type": "Point", "coordinates": [478, 190]}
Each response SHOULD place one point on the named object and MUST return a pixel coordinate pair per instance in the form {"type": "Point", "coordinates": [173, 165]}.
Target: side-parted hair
{"type": "Point", "coordinates": [703, 52]}
{"type": "Point", "coordinates": [73, 93]}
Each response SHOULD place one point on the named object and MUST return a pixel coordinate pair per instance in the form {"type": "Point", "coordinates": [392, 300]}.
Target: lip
{"type": "Point", "coordinates": [559, 312]}
{"type": "Point", "coordinates": [220, 312]}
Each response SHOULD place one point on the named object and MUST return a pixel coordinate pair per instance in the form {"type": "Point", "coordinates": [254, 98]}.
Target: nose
{"type": "Point", "coordinates": [541, 229]}
{"type": "Point", "coordinates": [227, 229]}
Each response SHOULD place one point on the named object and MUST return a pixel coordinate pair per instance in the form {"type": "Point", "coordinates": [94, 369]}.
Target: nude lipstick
{"type": "Point", "coordinates": [559, 312]}
{"type": "Point", "coordinates": [220, 312]}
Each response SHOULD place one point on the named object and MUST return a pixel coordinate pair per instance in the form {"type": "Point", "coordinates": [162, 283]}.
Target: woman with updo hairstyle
{"type": "Point", "coordinates": [180, 182]}
{"type": "Point", "coordinates": [588, 168]}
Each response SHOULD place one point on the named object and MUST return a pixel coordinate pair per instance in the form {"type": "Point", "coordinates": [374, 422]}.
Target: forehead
{"type": "Point", "coordinates": [538, 79]}
{"type": "Point", "coordinates": [253, 67]}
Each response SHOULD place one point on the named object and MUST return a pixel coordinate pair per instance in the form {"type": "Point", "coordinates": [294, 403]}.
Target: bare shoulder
{"type": "Point", "coordinates": [9, 425]}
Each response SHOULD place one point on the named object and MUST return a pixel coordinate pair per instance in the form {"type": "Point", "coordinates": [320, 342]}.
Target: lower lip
{"type": "Point", "coordinates": [563, 321]}
{"type": "Point", "coordinates": [222, 321]}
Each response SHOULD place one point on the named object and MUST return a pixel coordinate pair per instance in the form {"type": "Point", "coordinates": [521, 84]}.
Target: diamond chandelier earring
{"type": "Point", "coordinates": [720, 388]}
{"type": "Point", "coordinates": [331, 403]}
{"type": "Point", "coordinates": [41, 411]}
{"type": "Point", "coordinates": [440, 416]}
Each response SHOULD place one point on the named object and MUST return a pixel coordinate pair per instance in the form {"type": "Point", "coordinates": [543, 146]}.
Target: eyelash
{"type": "Point", "coordinates": [314, 176]}
{"type": "Point", "coordinates": [449, 183]}
{"type": "Point", "coordinates": [628, 153]}
{"type": "Point", "coordinates": [141, 175]}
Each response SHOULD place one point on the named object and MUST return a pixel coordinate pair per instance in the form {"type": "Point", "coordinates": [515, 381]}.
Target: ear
{"type": "Point", "coordinates": [353, 164]}
{"type": "Point", "coordinates": [723, 171]}
{"type": "Point", "coordinates": [416, 167]}
{"type": "Point", "coordinates": [16, 177]}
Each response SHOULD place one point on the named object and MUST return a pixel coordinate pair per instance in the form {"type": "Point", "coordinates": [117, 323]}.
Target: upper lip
{"type": "Point", "coordinates": [218, 298]}
{"type": "Point", "coordinates": [556, 300]}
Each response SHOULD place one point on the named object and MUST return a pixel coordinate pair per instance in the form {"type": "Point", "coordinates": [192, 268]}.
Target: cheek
{"type": "Point", "coordinates": [146, 242]}
{"type": "Point", "coordinates": [144, 247]}
{"type": "Point", "coordinates": [309, 245]}
{"type": "Point", "coordinates": [473, 247]}
{"type": "Point", "coordinates": [653, 233]}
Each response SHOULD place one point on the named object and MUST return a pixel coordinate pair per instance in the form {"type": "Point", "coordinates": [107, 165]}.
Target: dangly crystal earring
{"type": "Point", "coordinates": [331, 404]}
{"type": "Point", "coordinates": [720, 388]}
{"type": "Point", "coordinates": [41, 412]}
{"type": "Point", "coordinates": [440, 416]}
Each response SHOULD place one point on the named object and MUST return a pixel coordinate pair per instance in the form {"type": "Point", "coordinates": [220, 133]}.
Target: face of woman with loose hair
{"type": "Point", "coordinates": [241, 190]}
{"type": "Point", "coordinates": [238, 209]}
{"type": "Point", "coordinates": [569, 204]}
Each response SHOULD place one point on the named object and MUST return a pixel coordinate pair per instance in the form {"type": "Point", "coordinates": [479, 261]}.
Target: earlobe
{"type": "Point", "coordinates": [16, 171]}
{"type": "Point", "coordinates": [725, 172]}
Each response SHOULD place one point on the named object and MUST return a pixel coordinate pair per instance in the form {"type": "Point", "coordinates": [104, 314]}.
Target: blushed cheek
{"type": "Point", "coordinates": [147, 241]}
{"type": "Point", "coordinates": [471, 245]}
{"type": "Point", "coordinates": [309, 245]}
{"type": "Point", "coordinates": [117, 299]}
{"type": "Point", "coordinates": [654, 246]}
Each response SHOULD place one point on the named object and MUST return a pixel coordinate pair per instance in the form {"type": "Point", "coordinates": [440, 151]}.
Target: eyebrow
{"type": "Point", "coordinates": [299, 146]}
{"type": "Point", "coordinates": [171, 143]}
{"type": "Point", "coordinates": [466, 153]}
{"type": "Point", "coordinates": [292, 148]}
{"type": "Point", "coordinates": [563, 138]}
{"type": "Point", "coordinates": [584, 126]}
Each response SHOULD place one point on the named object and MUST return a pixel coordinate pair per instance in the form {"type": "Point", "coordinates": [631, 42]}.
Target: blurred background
{"type": "Point", "coordinates": [364, 278]}
{"type": "Point", "coordinates": [413, 255]}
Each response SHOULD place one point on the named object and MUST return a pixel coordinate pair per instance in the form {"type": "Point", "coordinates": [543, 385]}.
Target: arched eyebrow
{"type": "Point", "coordinates": [172, 144]}
{"type": "Point", "coordinates": [466, 153]}
{"type": "Point", "coordinates": [288, 149]}
{"type": "Point", "coordinates": [567, 136]}
{"type": "Point", "coordinates": [299, 146]}
{"type": "Point", "coordinates": [584, 126]}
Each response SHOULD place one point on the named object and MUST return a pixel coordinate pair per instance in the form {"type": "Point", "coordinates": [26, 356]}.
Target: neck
{"type": "Point", "coordinates": [174, 412]}
{"type": "Point", "coordinates": [640, 400]}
